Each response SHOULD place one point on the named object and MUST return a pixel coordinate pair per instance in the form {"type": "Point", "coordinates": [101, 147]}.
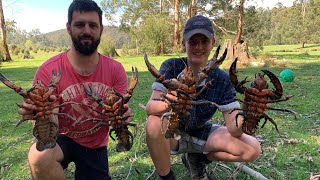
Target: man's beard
{"type": "Point", "coordinates": [86, 49]}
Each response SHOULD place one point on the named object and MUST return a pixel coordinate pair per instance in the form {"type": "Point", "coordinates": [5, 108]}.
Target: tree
{"type": "Point", "coordinates": [238, 49]}
{"type": "Point", "coordinates": [192, 10]}
{"type": "Point", "coordinates": [176, 40]}
{"type": "Point", "coordinates": [3, 35]}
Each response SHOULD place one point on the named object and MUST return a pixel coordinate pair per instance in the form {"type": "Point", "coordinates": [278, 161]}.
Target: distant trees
{"type": "Point", "coordinates": [156, 26]}
{"type": "Point", "coordinates": [255, 26]}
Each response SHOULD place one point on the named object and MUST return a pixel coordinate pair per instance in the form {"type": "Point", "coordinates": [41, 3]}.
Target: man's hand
{"type": "Point", "coordinates": [128, 113]}
{"type": "Point", "coordinates": [178, 100]}
{"type": "Point", "coordinates": [28, 109]}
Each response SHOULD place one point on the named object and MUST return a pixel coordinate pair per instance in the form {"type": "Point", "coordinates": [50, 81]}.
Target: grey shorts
{"type": "Point", "coordinates": [191, 144]}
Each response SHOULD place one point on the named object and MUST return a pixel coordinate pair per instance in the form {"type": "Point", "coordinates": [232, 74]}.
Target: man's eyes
{"type": "Point", "coordinates": [91, 25]}
{"type": "Point", "coordinates": [194, 42]}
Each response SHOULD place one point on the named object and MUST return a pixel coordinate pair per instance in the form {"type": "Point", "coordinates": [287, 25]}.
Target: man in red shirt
{"type": "Point", "coordinates": [81, 67]}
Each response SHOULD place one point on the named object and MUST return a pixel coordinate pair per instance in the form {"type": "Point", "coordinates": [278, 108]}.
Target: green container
{"type": "Point", "coordinates": [287, 75]}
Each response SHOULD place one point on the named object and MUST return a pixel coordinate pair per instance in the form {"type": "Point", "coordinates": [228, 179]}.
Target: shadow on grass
{"type": "Point", "coordinates": [296, 56]}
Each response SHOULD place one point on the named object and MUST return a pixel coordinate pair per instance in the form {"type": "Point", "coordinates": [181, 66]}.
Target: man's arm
{"type": "Point", "coordinates": [155, 106]}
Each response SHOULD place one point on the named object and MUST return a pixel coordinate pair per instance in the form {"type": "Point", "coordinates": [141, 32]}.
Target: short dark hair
{"type": "Point", "coordinates": [84, 6]}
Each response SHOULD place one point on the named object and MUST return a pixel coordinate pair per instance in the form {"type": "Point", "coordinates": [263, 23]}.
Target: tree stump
{"type": "Point", "coordinates": [239, 51]}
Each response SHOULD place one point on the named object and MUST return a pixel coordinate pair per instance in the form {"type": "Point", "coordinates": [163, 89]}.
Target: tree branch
{"type": "Point", "coordinates": [250, 171]}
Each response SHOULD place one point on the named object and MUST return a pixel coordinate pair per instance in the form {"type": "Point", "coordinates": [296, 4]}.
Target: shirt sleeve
{"type": "Point", "coordinates": [43, 75]}
{"type": "Point", "coordinates": [166, 70]}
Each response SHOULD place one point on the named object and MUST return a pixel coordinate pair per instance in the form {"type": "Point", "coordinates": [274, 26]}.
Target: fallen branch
{"type": "Point", "coordinates": [315, 177]}
{"type": "Point", "coordinates": [250, 171]}
{"type": "Point", "coordinates": [142, 106]}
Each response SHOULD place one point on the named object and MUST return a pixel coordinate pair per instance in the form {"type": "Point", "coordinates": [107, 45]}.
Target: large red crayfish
{"type": "Point", "coordinates": [257, 99]}
{"type": "Point", "coordinates": [113, 113]}
{"type": "Point", "coordinates": [44, 130]}
{"type": "Point", "coordinates": [185, 87]}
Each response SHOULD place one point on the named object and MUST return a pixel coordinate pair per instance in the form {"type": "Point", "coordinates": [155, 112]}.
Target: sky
{"type": "Point", "coordinates": [51, 15]}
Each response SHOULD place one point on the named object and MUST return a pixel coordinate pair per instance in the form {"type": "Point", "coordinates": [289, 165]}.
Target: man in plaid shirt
{"type": "Point", "coordinates": [201, 141]}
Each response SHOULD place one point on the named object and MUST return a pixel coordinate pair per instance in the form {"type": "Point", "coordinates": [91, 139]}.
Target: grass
{"type": "Point", "coordinates": [294, 153]}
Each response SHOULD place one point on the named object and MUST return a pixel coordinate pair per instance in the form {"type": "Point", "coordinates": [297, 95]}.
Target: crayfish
{"type": "Point", "coordinates": [44, 130]}
{"type": "Point", "coordinates": [185, 87]}
{"type": "Point", "coordinates": [257, 99]}
{"type": "Point", "coordinates": [113, 110]}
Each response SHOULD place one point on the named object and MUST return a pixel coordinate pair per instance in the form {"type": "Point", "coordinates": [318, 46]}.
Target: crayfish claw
{"type": "Point", "coordinates": [55, 78]}
{"type": "Point", "coordinates": [13, 86]}
{"type": "Point", "coordinates": [133, 81]}
{"type": "Point", "coordinates": [276, 83]}
{"type": "Point", "coordinates": [233, 72]}
{"type": "Point", "coordinates": [216, 53]}
{"type": "Point", "coordinates": [153, 70]}
{"type": "Point", "coordinates": [223, 57]}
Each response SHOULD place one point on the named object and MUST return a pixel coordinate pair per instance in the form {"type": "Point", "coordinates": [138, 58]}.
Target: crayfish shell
{"type": "Point", "coordinates": [46, 134]}
{"type": "Point", "coordinates": [125, 139]}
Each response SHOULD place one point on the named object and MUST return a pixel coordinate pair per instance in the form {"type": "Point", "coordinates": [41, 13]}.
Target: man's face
{"type": "Point", "coordinates": [85, 31]}
{"type": "Point", "coordinates": [198, 49]}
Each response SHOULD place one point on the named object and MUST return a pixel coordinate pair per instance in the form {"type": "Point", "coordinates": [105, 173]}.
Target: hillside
{"type": "Point", "coordinates": [60, 38]}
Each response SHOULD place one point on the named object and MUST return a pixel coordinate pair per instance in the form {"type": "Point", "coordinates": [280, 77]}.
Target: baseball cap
{"type": "Point", "coordinates": [198, 25]}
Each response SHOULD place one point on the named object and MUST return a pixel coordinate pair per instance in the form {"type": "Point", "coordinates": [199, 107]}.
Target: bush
{"type": "Point", "coordinates": [16, 51]}
{"type": "Point", "coordinates": [107, 46]}
{"type": "Point", "coordinates": [26, 55]}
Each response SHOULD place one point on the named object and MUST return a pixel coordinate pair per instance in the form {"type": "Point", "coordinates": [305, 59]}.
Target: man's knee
{"type": "Point", "coordinates": [153, 126]}
{"type": "Point", "coordinates": [254, 153]}
{"type": "Point", "coordinates": [42, 159]}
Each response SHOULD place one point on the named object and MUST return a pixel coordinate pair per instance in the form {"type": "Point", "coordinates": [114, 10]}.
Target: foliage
{"type": "Point", "coordinates": [155, 35]}
{"type": "Point", "coordinates": [133, 22]}
{"type": "Point", "coordinates": [107, 46]}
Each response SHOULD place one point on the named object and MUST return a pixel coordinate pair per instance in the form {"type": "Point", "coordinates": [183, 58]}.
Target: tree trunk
{"type": "Point", "coordinates": [160, 6]}
{"type": "Point", "coordinates": [192, 9]}
{"type": "Point", "coordinates": [3, 35]}
{"type": "Point", "coordinates": [238, 49]}
{"type": "Point", "coordinates": [240, 17]}
{"type": "Point", "coordinates": [176, 25]}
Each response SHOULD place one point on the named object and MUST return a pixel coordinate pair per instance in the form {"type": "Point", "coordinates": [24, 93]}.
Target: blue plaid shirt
{"type": "Point", "coordinates": [221, 92]}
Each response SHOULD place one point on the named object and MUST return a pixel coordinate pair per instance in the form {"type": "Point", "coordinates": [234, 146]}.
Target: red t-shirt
{"type": "Point", "coordinates": [108, 74]}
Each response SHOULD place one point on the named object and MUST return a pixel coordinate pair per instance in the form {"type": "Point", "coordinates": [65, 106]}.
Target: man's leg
{"type": "Point", "coordinates": [158, 145]}
{"type": "Point", "coordinates": [196, 164]}
{"type": "Point", "coordinates": [91, 163]}
{"type": "Point", "coordinates": [224, 147]}
{"type": "Point", "coordinates": [46, 164]}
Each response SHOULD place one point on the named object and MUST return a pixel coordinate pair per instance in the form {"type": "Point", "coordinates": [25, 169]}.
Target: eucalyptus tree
{"type": "Point", "coordinates": [3, 35]}
{"type": "Point", "coordinates": [297, 24]}
{"type": "Point", "coordinates": [129, 15]}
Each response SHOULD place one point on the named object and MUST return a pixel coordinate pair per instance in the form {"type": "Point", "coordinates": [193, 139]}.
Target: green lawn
{"type": "Point", "coordinates": [294, 153]}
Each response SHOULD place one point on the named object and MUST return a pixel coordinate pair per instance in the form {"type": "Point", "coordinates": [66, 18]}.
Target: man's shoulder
{"type": "Point", "coordinates": [110, 61]}
{"type": "Point", "coordinates": [54, 60]}
{"type": "Point", "coordinates": [176, 64]}
{"type": "Point", "coordinates": [174, 60]}
{"type": "Point", "coordinates": [217, 72]}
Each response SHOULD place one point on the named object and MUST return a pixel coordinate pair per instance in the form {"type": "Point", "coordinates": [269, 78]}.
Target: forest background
{"type": "Point", "coordinates": [156, 26]}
